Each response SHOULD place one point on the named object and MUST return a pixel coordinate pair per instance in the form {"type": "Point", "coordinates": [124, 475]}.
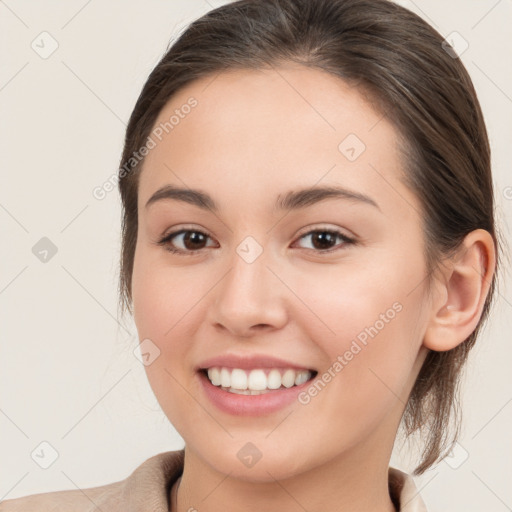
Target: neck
{"type": "Point", "coordinates": [351, 482]}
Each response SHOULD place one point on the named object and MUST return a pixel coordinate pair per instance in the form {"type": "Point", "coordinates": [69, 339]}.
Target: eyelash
{"type": "Point", "coordinates": [166, 239]}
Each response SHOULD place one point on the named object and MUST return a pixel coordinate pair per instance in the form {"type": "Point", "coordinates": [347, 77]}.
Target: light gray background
{"type": "Point", "coordinates": [68, 373]}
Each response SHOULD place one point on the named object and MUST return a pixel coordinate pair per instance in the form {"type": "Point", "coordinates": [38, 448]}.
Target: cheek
{"type": "Point", "coordinates": [162, 295]}
{"type": "Point", "coordinates": [163, 313]}
{"type": "Point", "coordinates": [369, 328]}
{"type": "Point", "coordinates": [345, 299]}
{"type": "Point", "coordinates": [168, 306]}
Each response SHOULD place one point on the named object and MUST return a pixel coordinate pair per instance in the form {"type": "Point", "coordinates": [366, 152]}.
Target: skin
{"type": "Point", "coordinates": [332, 453]}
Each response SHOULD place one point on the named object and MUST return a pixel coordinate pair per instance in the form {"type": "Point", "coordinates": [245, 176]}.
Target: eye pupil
{"type": "Point", "coordinates": [325, 238]}
{"type": "Point", "coordinates": [194, 237]}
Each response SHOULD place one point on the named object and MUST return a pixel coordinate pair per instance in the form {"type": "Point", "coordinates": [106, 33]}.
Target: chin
{"type": "Point", "coordinates": [252, 465]}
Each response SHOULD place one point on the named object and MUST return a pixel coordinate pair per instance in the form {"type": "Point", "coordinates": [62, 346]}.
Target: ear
{"type": "Point", "coordinates": [461, 291]}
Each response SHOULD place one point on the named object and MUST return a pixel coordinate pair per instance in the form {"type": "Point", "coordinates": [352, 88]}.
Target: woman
{"type": "Point", "coordinates": [309, 253]}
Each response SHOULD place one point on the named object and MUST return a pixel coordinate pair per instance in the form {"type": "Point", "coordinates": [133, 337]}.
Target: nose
{"type": "Point", "coordinates": [249, 299]}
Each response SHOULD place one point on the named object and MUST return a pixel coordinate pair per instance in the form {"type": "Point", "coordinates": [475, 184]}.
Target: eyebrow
{"type": "Point", "coordinates": [293, 200]}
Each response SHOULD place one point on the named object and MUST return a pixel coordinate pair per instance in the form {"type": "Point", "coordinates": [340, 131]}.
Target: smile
{"type": "Point", "coordinates": [256, 381]}
{"type": "Point", "coordinates": [253, 402]}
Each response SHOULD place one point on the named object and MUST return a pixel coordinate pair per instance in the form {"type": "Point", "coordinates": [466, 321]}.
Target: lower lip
{"type": "Point", "coordinates": [250, 405]}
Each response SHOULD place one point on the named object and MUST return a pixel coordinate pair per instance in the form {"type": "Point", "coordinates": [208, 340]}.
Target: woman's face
{"type": "Point", "coordinates": [264, 274]}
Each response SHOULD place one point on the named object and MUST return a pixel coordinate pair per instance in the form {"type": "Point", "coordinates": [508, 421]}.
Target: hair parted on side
{"type": "Point", "coordinates": [395, 58]}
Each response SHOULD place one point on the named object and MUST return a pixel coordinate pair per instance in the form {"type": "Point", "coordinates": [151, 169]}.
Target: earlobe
{"type": "Point", "coordinates": [462, 289]}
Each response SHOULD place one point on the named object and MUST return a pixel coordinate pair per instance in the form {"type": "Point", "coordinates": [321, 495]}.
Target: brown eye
{"type": "Point", "coordinates": [194, 240]}
{"type": "Point", "coordinates": [324, 240]}
{"type": "Point", "coordinates": [187, 241]}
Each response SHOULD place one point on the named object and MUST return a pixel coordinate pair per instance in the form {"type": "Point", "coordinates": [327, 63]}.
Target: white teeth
{"type": "Point", "coordinates": [288, 379]}
{"type": "Point", "coordinates": [274, 379]}
{"type": "Point", "coordinates": [257, 381]}
{"type": "Point", "coordinates": [239, 379]}
{"type": "Point", "coordinates": [301, 378]}
{"type": "Point", "coordinates": [225, 378]}
{"type": "Point", "coordinates": [214, 376]}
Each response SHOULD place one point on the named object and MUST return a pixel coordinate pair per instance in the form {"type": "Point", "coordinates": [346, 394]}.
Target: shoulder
{"type": "Point", "coordinates": [148, 483]}
{"type": "Point", "coordinates": [75, 500]}
{"type": "Point", "coordinates": [404, 492]}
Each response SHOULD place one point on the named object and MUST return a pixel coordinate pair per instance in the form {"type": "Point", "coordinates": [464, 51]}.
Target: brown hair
{"type": "Point", "coordinates": [428, 95]}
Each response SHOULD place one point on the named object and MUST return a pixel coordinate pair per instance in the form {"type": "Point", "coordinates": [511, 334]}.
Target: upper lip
{"type": "Point", "coordinates": [248, 362]}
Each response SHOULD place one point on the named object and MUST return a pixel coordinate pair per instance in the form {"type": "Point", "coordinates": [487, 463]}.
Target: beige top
{"type": "Point", "coordinates": [147, 490]}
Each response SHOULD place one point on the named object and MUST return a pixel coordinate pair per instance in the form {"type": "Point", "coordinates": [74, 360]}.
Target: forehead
{"type": "Point", "coordinates": [265, 131]}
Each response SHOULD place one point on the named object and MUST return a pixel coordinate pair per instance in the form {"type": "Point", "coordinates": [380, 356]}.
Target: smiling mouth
{"type": "Point", "coordinates": [257, 381]}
